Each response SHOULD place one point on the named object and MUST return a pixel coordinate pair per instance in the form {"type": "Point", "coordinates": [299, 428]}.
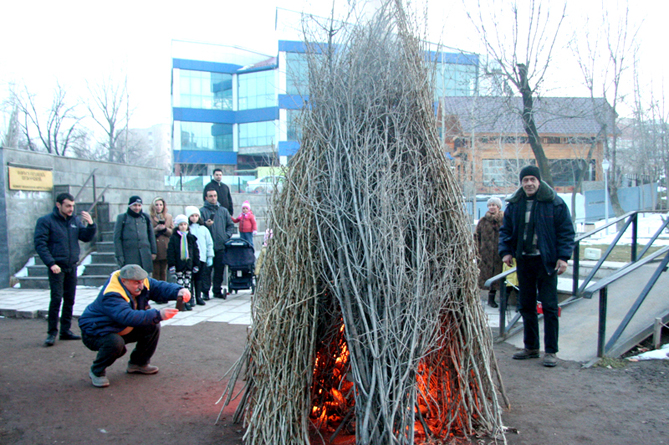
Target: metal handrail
{"type": "Point", "coordinates": [602, 287]}
{"type": "Point", "coordinates": [91, 175]}
{"type": "Point", "coordinates": [586, 291]}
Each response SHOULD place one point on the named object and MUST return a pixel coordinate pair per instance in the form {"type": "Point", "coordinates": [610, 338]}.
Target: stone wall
{"type": "Point", "coordinates": [19, 210]}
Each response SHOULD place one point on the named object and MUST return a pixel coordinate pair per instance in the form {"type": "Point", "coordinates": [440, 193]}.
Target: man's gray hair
{"type": "Point", "coordinates": [496, 201]}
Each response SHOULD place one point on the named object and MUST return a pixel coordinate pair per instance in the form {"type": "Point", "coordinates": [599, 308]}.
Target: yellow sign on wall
{"type": "Point", "coordinates": [30, 179]}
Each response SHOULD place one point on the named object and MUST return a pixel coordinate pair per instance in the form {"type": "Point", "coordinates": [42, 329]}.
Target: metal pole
{"type": "Point", "coordinates": [502, 307]}
{"type": "Point", "coordinates": [634, 236]}
{"type": "Point", "coordinates": [576, 266]}
{"type": "Point", "coordinates": [605, 167]}
{"type": "Point", "coordinates": [602, 322]}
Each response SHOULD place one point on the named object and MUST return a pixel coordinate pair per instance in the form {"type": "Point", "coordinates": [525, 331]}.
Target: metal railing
{"type": "Point", "coordinates": [585, 290]}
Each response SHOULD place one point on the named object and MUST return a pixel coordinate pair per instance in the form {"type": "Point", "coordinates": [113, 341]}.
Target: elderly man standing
{"type": "Point", "coordinates": [57, 237]}
{"type": "Point", "coordinates": [134, 240]}
{"type": "Point", "coordinates": [218, 221]}
{"type": "Point", "coordinates": [537, 231]}
{"type": "Point", "coordinates": [121, 314]}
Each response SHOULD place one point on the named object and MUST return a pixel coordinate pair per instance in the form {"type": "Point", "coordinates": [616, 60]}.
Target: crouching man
{"type": "Point", "coordinates": [121, 314]}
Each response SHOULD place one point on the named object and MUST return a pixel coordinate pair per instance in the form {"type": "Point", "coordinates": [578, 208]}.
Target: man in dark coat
{"type": "Point", "coordinates": [134, 240]}
{"type": "Point", "coordinates": [57, 237]}
{"type": "Point", "coordinates": [218, 221]}
{"type": "Point", "coordinates": [537, 231]}
{"type": "Point", "coordinates": [221, 189]}
{"type": "Point", "coordinates": [121, 314]}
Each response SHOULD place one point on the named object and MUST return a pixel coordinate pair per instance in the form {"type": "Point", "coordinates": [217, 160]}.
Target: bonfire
{"type": "Point", "coordinates": [367, 325]}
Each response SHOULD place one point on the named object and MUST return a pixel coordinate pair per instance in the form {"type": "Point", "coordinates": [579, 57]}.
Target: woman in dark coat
{"type": "Point", "coordinates": [134, 241]}
{"type": "Point", "coordinates": [487, 239]}
{"type": "Point", "coordinates": [162, 227]}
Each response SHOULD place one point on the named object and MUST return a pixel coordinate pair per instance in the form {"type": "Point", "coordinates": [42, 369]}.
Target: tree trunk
{"type": "Point", "coordinates": [531, 128]}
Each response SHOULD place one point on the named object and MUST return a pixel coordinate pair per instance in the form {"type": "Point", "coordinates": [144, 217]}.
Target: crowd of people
{"type": "Point", "coordinates": [162, 258]}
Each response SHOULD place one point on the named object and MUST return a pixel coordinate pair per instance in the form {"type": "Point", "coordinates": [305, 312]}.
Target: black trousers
{"type": "Point", "coordinates": [200, 281]}
{"type": "Point", "coordinates": [63, 288]}
{"type": "Point", "coordinates": [112, 346]}
{"type": "Point", "coordinates": [219, 269]}
{"type": "Point", "coordinates": [536, 285]}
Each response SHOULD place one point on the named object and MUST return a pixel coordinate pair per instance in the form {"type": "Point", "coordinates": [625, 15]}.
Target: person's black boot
{"type": "Point", "coordinates": [491, 300]}
{"type": "Point", "coordinates": [200, 301]}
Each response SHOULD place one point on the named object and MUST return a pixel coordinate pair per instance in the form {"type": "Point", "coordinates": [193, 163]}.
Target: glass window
{"type": "Point", "coordinates": [255, 134]}
{"type": "Point", "coordinates": [294, 132]}
{"type": "Point", "coordinates": [206, 136]}
{"type": "Point", "coordinates": [202, 89]}
{"type": "Point", "coordinates": [297, 74]}
{"type": "Point", "coordinates": [256, 90]}
{"type": "Point", "coordinates": [455, 80]}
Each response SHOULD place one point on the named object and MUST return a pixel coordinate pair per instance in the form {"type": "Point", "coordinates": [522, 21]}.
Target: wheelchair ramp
{"type": "Point", "coordinates": [579, 323]}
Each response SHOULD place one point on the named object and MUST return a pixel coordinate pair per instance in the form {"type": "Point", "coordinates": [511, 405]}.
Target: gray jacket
{"type": "Point", "coordinates": [134, 241]}
{"type": "Point", "coordinates": [223, 227]}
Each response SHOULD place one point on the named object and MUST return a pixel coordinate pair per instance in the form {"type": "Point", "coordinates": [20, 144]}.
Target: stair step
{"type": "Point", "coordinates": [34, 282]}
{"type": "Point", "coordinates": [92, 280]}
{"type": "Point", "coordinates": [39, 271]}
{"type": "Point", "coordinates": [105, 246]}
{"type": "Point", "coordinates": [103, 258]}
{"type": "Point", "coordinates": [99, 269]}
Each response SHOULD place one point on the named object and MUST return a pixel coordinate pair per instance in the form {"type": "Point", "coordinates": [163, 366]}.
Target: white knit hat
{"type": "Point", "coordinates": [180, 219]}
{"type": "Point", "coordinates": [192, 210]}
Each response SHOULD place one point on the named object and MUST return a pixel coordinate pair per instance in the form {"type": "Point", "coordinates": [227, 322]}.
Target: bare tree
{"type": "Point", "coordinates": [522, 60]}
{"type": "Point", "coordinates": [603, 54]}
{"type": "Point", "coordinates": [55, 129]}
{"type": "Point", "coordinates": [109, 108]}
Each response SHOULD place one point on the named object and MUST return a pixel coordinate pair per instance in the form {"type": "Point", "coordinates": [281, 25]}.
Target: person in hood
{"type": "Point", "coordinates": [121, 314]}
{"type": "Point", "coordinates": [538, 232]}
{"type": "Point", "coordinates": [217, 219]}
{"type": "Point", "coordinates": [134, 238]}
{"type": "Point", "coordinates": [57, 237]}
{"type": "Point", "coordinates": [205, 245]}
{"type": "Point", "coordinates": [183, 256]}
{"type": "Point", "coordinates": [247, 223]}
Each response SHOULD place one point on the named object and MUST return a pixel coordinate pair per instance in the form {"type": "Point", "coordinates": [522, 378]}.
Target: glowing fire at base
{"type": "Point", "coordinates": [334, 402]}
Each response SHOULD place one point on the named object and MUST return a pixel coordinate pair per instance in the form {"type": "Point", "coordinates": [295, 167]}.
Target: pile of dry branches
{"type": "Point", "coordinates": [370, 232]}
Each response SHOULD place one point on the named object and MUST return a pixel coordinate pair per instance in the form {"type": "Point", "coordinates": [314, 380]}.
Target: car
{"type": "Point", "coordinates": [266, 184]}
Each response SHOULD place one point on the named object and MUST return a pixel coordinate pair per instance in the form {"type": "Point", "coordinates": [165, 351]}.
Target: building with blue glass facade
{"type": "Point", "coordinates": [236, 109]}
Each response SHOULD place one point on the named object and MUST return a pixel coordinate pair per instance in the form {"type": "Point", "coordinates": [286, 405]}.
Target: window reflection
{"type": "Point", "coordinates": [205, 90]}
{"type": "Point", "coordinates": [257, 134]}
{"type": "Point", "coordinates": [206, 136]}
{"type": "Point", "coordinates": [256, 90]}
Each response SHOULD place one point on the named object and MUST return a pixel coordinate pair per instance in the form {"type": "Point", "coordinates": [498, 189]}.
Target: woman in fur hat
{"type": "Point", "coordinates": [487, 238]}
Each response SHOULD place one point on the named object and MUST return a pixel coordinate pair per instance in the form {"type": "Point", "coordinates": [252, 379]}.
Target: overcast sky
{"type": "Point", "coordinates": [71, 41]}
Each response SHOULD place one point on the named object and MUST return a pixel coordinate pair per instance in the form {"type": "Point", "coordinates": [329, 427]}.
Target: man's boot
{"type": "Point", "coordinates": [491, 300]}
{"type": "Point", "coordinates": [200, 301]}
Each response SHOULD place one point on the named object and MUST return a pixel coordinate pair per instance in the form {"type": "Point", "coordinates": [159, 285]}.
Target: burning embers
{"type": "Point", "coordinates": [332, 392]}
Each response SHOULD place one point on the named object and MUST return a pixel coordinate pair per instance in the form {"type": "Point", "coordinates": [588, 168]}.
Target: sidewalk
{"type": "Point", "coordinates": [34, 303]}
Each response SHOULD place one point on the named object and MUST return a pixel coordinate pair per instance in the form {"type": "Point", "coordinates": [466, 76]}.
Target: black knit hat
{"type": "Point", "coordinates": [530, 170]}
{"type": "Point", "coordinates": [134, 200]}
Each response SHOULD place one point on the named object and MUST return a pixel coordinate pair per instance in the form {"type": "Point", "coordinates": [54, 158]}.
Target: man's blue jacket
{"type": "Point", "coordinates": [57, 238]}
{"type": "Point", "coordinates": [552, 225]}
{"type": "Point", "coordinates": [115, 311]}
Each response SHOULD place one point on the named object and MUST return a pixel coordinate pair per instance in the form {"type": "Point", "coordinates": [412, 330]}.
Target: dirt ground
{"type": "Point", "coordinates": [46, 396]}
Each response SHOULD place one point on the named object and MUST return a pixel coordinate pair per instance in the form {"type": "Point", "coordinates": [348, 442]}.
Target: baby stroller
{"type": "Point", "coordinates": [240, 258]}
